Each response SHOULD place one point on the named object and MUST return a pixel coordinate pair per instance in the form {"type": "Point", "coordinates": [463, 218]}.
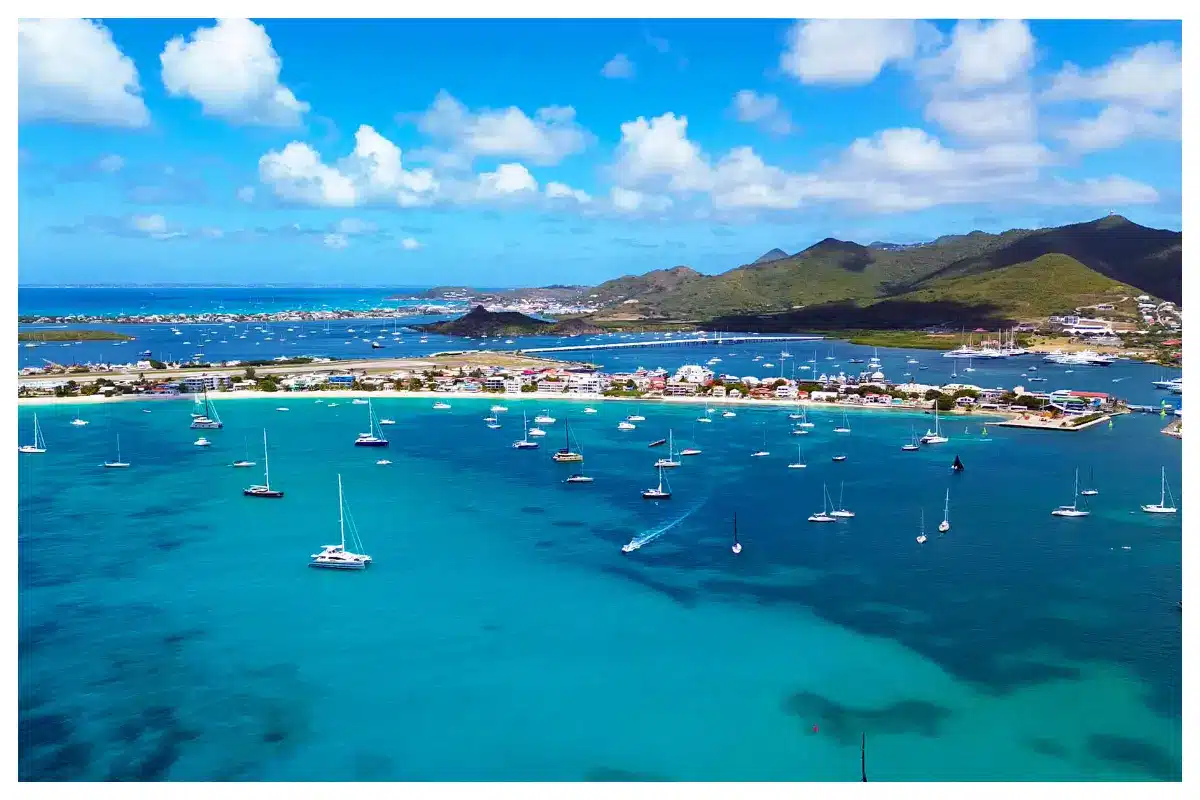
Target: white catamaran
{"type": "Point", "coordinates": [39, 442]}
{"type": "Point", "coordinates": [208, 419]}
{"type": "Point", "coordinates": [374, 436]}
{"type": "Point", "coordinates": [935, 436]}
{"type": "Point", "coordinates": [336, 556]}
{"type": "Point", "coordinates": [1073, 509]}
{"type": "Point", "coordinates": [565, 453]}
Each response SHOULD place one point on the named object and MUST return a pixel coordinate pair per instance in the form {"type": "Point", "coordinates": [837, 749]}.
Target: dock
{"type": "Point", "coordinates": [1045, 424]}
{"type": "Point", "coordinates": [696, 341]}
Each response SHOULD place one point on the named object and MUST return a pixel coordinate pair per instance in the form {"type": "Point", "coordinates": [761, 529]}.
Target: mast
{"type": "Point", "coordinates": [864, 758]}
{"type": "Point", "coordinates": [1162, 494]}
{"type": "Point", "coordinates": [1075, 499]}
{"type": "Point", "coordinates": [118, 447]}
{"type": "Point", "coordinates": [266, 461]}
{"type": "Point", "coordinates": [735, 539]}
{"type": "Point", "coordinates": [946, 511]}
{"type": "Point", "coordinates": [341, 515]}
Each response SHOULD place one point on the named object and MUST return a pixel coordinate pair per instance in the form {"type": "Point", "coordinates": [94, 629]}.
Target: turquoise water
{"type": "Point", "coordinates": [170, 629]}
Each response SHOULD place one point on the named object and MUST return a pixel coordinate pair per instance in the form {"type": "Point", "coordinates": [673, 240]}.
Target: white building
{"type": "Point", "coordinates": [197, 383]}
{"type": "Point", "coordinates": [694, 373]}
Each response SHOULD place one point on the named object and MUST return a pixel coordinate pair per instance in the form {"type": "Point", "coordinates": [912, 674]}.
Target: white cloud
{"type": "Point", "coordinates": [353, 227]}
{"type": "Point", "coordinates": [110, 164]}
{"type": "Point", "coordinates": [371, 173]}
{"type": "Point", "coordinates": [149, 223]}
{"type": "Point", "coordinates": [555, 190]}
{"type": "Point", "coordinates": [762, 110]}
{"type": "Point", "coordinates": [1150, 76]}
{"type": "Point", "coordinates": [409, 243]}
{"type": "Point", "coordinates": [658, 153]}
{"type": "Point", "coordinates": [631, 201]}
{"type": "Point", "coordinates": [984, 54]}
{"type": "Point", "coordinates": [1117, 124]}
{"type": "Point", "coordinates": [507, 181]}
{"type": "Point", "coordinates": [70, 70]}
{"type": "Point", "coordinates": [1107, 192]}
{"type": "Point", "coordinates": [246, 194]}
{"type": "Point", "coordinates": [232, 70]}
{"type": "Point", "coordinates": [851, 52]}
{"type": "Point", "coordinates": [988, 117]}
{"type": "Point", "coordinates": [336, 241]}
{"type": "Point", "coordinates": [619, 66]}
{"type": "Point", "coordinates": [547, 138]}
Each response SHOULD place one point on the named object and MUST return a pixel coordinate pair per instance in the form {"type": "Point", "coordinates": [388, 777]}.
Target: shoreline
{"type": "Point", "coordinates": [505, 399]}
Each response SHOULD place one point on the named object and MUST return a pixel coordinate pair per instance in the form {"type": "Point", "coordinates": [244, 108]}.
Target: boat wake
{"type": "Point", "coordinates": [654, 533]}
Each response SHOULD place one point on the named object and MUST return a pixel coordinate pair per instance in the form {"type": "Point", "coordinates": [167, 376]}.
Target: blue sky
{"type": "Point", "coordinates": [523, 153]}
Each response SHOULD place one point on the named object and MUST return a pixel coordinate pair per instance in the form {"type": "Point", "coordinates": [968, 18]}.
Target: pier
{"type": "Point", "coordinates": [694, 341]}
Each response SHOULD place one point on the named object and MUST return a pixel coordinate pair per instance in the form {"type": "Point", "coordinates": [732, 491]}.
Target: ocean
{"type": "Point", "coordinates": [110, 301]}
{"type": "Point", "coordinates": [171, 630]}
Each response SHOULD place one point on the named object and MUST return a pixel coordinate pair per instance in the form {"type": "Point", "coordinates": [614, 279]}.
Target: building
{"type": "Point", "coordinates": [340, 380]}
{"type": "Point", "coordinates": [694, 373]}
{"type": "Point", "coordinates": [199, 383]}
{"type": "Point", "coordinates": [675, 388]}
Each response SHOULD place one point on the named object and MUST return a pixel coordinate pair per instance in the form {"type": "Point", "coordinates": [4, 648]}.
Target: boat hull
{"type": "Point", "coordinates": [369, 443]}
{"type": "Point", "coordinates": [340, 565]}
{"type": "Point", "coordinates": [270, 494]}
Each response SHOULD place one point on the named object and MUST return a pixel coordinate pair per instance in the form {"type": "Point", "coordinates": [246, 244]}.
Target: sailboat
{"type": "Point", "coordinates": [1089, 492]}
{"type": "Point", "coordinates": [797, 413]}
{"type": "Point", "coordinates": [841, 510]}
{"type": "Point", "coordinates": [441, 405]}
{"type": "Point", "coordinates": [691, 451]}
{"type": "Point", "coordinates": [944, 525]}
{"type": "Point", "coordinates": [912, 445]}
{"type": "Point", "coordinates": [1162, 507]}
{"type": "Point", "coordinates": [737, 546]}
{"type": "Point", "coordinates": [1073, 509]}
{"type": "Point", "coordinates": [805, 423]}
{"type": "Point", "coordinates": [265, 489]}
{"type": "Point", "coordinates": [544, 418]}
{"type": "Point", "coordinates": [922, 538]}
{"type": "Point", "coordinates": [845, 426]}
{"type": "Point", "coordinates": [799, 460]}
{"type": "Point", "coordinates": [244, 462]}
{"type": "Point", "coordinates": [823, 514]}
{"type": "Point", "coordinates": [669, 462]}
{"type": "Point", "coordinates": [934, 436]}
{"type": "Point", "coordinates": [336, 556]}
{"type": "Point", "coordinates": [39, 442]}
{"type": "Point", "coordinates": [79, 422]}
{"type": "Point", "coordinates": [523, 443]}
{"type": "Point", "coordinates": [636, 417]}
{"type": "Point", "coordinates": [565, 453]}
{"type": "Point", "coordinates": [374, 436]}
{"type": "Point", "coordinates": [118, 464]}
{"type": "Point", "coordinates": [625, 425]}
{"type": "Point", "coordinates": [208, 419]}
{"type": "Point", "coordinates": [763, 451]}
{"type": "Point", "coordinates": [729, 414]}
{"type": "Point", "coordinates": [659, 493]}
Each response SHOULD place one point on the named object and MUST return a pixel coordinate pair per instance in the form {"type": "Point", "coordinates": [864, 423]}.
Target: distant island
{"type": "Point", "coordinates": [481, 322]}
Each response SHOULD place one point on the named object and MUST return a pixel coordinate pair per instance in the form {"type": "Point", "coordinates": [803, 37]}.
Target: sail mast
{"type": "Point", "coordinates": [341, 514]}
{"type": "Point", "coordinates": [266, 461]}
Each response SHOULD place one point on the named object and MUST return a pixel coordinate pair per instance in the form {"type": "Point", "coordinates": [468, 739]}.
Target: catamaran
{"type": "Point", "coordinates": [118, 464]}
{"type": "Point", "coordinates": [1165, 492]}
{"type": "Point", "coordinates": [374, 436]}
{"type": "Point", "coordinates": [565, 453]}
{"type": "Point", "coordinates": [625, 425]}
{"type": "Point", "coordinates": [544, 418]}
{"type": "Point", "coordinates": [669, 462]}
{"type": "Point", "coordinates": [523, 443]}
{"type": "Point", "coordinates": [845, 426]}
{"type": "Point", "coordinates": [39, 442]}
{"type": "Point", "coordinates": [498, 409]}
{"type": "Point", "coordinates": [208, 419]}
{"type": "Point", "coordinates": [263, 490]}
{"type": "Point", "coordinates": [661, 492]}
{"type": "Point", "coordinates": [737, 546]}
{"type": "Point", "coordinates": [823, 514]}
{"type": "Point", "coordinates": [944, 525]}
{"type": "Point", "coordinates": [799, 460]}
{"type": "Point", "coordinates": [934, 436]}
{"type": "Point", "coordinates": [336, 556]}
{"type": "Point", "coordinates": [1073, 509]}
{"type": "Point", "coordinates": [841, 510]}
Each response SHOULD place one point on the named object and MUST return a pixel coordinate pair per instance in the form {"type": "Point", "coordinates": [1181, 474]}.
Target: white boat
{"type": "Point", "coordinates": [1073, 509]}
{"type": "Point", "coordinates": [839, 458]}
{"type": "Point", "coordinates": [703, 420]}
{"type": "Point", "coordinates": [536, 432]}
{"type": "Point", "coordinates": [358, 402]}
{"type": "Point", "coordinates": [944, 525]}
{"type": "Point", "coordinates": [1089, 492]}
{"type": "Point", "coordinates": [264, 489]}
{"type": "Point", "coordinates": [737, 546]}
{"type": "Point", "coordinates": [659, 492]}
{"type": "Point", "coordinates": [823, 515]}
{"type": "Point", "coordinates": [729, 414]}
{"type": "Point", "coordinates": [440, 406]}
{"type": "Point", "coordinates": [763, 451]}
{"type": "Point", "coordinates": [523, 443]}
{"type": "Point", "coordinates": [1165, 492]}
{"type": "Point", "coordinates": [799, 464]}
{"type": "Point", "coordinates": [922, 538]}
{"type": "Point", "coordinates": [670, 461]}
{"type": "Point", "coordinates": [39, 442]}
{"type": "Point", "coordinates": [841, 510]}
{"type": "Point", "coordinates": [208, 419]}
{"type": "Point", "coordinates": [336, 556]}
{"type": "Point", "coordinates": [118, 464]}
{"type": "Point", "coordinates": [565, 454]}
{"type": "Point", "coordinates": [489, 419]}
{"type": "Point", "coordinates": [283, 408]}
{"type": "Point", "coordinates": [202, 442]}
{"type": "Point", "coordinates": [387, 422]}
{"type": "Point", "coordinates": [635, 418]}
{"type": "Point", "coordinates": [912, 444]}
{"type": "Point", "coordinates": [383, 462]}
{"type": "Point", "coordinates": [79, 423]}
{"type": "Point", "coordinates": [935, 436]}
{"type": "Point", "coordinates": [543, 419]}
{"type": "Point", "coordinates": [625, 425]}
{"type": "Point", "coordinates": [374, 436]}
{"type": "Point", "coordinates": [493, 425]}
{"type": "Point", "coordinates": [589, 410]}
{"type": "Point", "coordinates": [498, 409]}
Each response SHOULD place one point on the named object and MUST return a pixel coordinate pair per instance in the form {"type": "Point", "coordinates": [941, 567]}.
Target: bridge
{"type": "Point", "coordinates": [692, 342]}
